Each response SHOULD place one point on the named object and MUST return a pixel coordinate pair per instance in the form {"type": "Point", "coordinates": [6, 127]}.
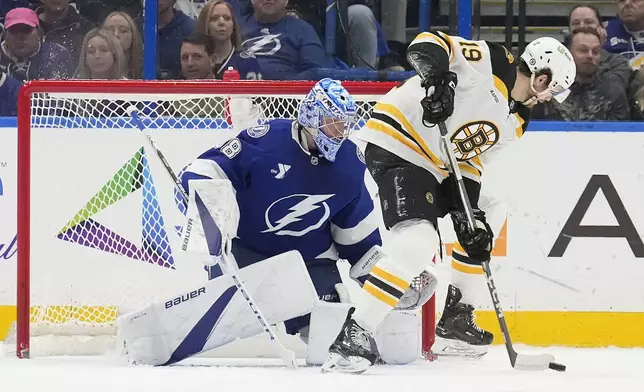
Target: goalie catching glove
{"type": "Point", "coordinates": [477, 244]}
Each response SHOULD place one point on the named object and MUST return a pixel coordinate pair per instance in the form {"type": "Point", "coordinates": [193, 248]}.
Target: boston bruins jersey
{"type": "Point", "coordinates": [482, 122]}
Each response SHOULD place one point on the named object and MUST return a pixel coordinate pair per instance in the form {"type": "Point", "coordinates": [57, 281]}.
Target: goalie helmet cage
{"type": "Point", "coordinates": [98, 219]}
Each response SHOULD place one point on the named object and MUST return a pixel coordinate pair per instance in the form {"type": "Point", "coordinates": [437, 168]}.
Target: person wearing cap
{"type": "Point", "coordinates": [62, 24]}
{"type": "Point", "coordinates": [24, 55]}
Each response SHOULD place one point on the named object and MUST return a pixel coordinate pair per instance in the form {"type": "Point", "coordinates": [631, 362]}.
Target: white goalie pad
{"type": "Point", "coordinates": [216, 313]}
{"type": "Point", "coordinates": [326, 322]}
{"type": "Point", "coordinates": [397, 337]}
{"type": "Point", "coordinates": [218, 197]}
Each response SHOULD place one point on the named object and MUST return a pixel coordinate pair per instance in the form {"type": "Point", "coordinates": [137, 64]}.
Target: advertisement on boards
{"type": "Point", "coordinates": [568, 262]}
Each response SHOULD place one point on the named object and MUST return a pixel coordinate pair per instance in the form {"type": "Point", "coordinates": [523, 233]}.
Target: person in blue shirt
{"type": "Point", "coordinates": [9, 89]}
{"type": "Point", "coordinates": [625, 34]}
{"type": "Point", "coordinates": [173, 27]}
{"type": "Point", "coordinates": [217, 20]}
{"type": "Point", "coordinates": [287, 48]}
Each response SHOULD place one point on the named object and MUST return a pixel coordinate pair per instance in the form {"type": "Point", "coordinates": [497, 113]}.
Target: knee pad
{"type": "Point", "coordinates": [413, 244]}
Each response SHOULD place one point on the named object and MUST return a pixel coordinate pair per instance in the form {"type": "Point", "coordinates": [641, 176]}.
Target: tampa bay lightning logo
{"type": "Point", "coordinates": [264, 45]}
{"type": "Point", "coordinates": [296, 215]}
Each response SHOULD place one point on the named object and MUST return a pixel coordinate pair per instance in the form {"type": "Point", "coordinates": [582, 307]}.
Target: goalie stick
{"type": "Point", "coordinates": [517, 360]}
{"type": "Point", "coordinates": [287, 356]}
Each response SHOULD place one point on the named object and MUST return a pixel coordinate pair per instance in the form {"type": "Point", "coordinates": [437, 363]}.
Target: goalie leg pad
{"type": "Point", "coordinates": [397, 337]}
{"type": "Point", "coordinates": [325, 276]}
{"type": "Point", "coordinates": [215, 314]}
{"type": "Point", "coordinates": [326, 321]}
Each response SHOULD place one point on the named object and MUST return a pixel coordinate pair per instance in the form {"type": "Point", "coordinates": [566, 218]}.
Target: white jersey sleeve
{"type": "Point", "coordinates": [481, 124]}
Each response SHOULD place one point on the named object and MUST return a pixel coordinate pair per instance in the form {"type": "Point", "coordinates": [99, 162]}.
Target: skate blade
{"type": "Point", "coordinates": [456, 348]}
{"type": "Point", "coordinates": [336, 363]}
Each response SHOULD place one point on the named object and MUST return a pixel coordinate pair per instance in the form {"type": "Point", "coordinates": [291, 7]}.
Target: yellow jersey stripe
{"type": "Point", "coordinates": [390, 278]}
{"type": "Point", "coordinates": [467, 168]}
{"type": "Point", "coordinates": [388, 130]}
{"type": "Point", "coordinates": [381, 295]}
{"type": "Point", "coordinates": [503, 89]}
{"type": "Point", "coordinates": [476, 163]}
{"type": "Point", "coordinates": [434, 39]}
{"type": "Point", "coordinates": [519, 130]}
{"type": "Point", "coordinates": [467, 269]}
{"type": "Point", "coordinates": [396, 114]}
{"type": "Point", "coordinates": [450, 42]}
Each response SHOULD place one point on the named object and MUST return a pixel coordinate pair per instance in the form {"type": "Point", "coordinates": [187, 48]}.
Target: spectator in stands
{"type": "Point", "coordinates": [101, 57]}
{"type": "Point", "coordinates": [9, 88]}
{"type": "Point", "coordinates": [360, 41]}
{"type": "Point", "coordinates": [591, 97]}
{"type": "Point", "coordinates": [197, 57]}
{"type": "Point", "coordinates": [8, 5]}
{"type": "Point", "coordinates": [193, 8]}
{"type": "Point", "coordinates": [217, 20]}
{"type": "Point", "coordinates": [24, 55]}
{"type": "Point", "coordinates": [173, 27]}
{"type": "Point", "coordinates": [611, 65]}
{"type": "Point", "coordinates": [63, 25]}
{"type": "Point", "coordinates": [98, 10]}
{"type": "Point", "coordinates": [625, 34]}
{"type": "Point", "coordinates": [637, 94]}
{"type": "Point", "coordinates": [124, 28]}
{"type": "Point", "coordinates": [286, 47]}
{"type": "Point", "coordinates": [197, 63]}
{"type": "Point", "coordinates": [363, 35]}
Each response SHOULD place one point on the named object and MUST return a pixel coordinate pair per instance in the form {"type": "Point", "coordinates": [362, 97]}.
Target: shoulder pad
{"type": "Point", "coordinates": [258, 131]}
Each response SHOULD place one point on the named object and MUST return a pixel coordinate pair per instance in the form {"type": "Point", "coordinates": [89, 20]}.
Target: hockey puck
{"type": "Point", "coordinates": [557, 366]}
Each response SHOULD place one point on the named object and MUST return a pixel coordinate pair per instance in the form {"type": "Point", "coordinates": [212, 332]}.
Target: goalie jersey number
{"type": "Point", "coordinates": [231, 148]}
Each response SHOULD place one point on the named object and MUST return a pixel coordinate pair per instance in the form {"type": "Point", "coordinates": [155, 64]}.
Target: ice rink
{"type": "Point", "coordinates": [609, 370]}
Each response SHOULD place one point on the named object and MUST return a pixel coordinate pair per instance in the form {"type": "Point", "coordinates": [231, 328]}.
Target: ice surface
{"type": "Point", "coordinates": [609, 370]}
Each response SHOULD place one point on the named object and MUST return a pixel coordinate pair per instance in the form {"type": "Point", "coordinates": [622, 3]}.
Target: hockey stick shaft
{"type": "Point", "coordinates": [538, 362]}
{"type": "Point", "coordinates": [287, 356]}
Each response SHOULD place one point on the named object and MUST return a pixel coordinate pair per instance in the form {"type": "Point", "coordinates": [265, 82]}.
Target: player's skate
{"type": "Point", "coordinates": [353, 350]}
{"type": "Point", "coordinates": [456, 333]}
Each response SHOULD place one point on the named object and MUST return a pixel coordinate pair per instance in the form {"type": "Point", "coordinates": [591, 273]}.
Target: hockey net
{"type": "Point", "coordinates": [98, 218]}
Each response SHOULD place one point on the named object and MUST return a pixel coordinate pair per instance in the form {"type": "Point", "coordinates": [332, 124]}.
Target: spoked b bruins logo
{"type": "Point", "coordinates": [474, 138]}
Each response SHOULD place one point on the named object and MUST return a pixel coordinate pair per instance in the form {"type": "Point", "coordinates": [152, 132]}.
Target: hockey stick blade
{"type": "Point", "coordinates": [287, 356]}
{"type": "Point", "coordinates": [535, 362]}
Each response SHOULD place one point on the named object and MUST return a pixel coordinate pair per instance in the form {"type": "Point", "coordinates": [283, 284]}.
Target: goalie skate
{"type": "Point", "coordinates": [353, 351]}
{"type": "Point", "coordinates": [457, 334]}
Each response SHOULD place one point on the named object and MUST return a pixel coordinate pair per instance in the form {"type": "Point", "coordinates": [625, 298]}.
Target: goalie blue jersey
{"type": "Point", "coordinates": [290, 199]}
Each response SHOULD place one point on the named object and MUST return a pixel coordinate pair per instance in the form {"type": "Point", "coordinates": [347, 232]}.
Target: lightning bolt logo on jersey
{"type": "Point", "coordinates": [286, 201]}
{"type": "Point", "coordinates": [308, 213]}
{"type": "Point", "coordinates": [266, 45]}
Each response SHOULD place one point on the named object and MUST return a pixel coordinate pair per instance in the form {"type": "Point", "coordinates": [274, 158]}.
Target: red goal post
{"type": "Point", "coordinates": [87, 250]}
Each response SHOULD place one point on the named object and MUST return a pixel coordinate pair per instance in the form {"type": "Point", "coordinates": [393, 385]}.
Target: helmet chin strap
{"type": "Point", "coordinates": [545, 95]}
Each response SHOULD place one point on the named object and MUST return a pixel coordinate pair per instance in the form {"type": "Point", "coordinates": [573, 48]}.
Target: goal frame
{"type": "Point", "coordinates": [23, 301]}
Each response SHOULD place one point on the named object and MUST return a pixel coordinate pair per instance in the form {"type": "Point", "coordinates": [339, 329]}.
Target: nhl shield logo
{"type": "Point", "coordinates": [474, 138]}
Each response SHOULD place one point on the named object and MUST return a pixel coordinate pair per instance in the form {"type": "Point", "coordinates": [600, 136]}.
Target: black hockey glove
{"type": "Point", "coordinates": [477, 244]}
{"type": "Point", "coordinates": [439, 105]}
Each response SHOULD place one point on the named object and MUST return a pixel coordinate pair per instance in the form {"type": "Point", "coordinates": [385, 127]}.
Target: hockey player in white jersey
{"type": "Point", "coordinates": [483, 96]}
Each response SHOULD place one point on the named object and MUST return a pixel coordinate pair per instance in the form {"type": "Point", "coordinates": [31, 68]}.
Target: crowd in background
{"type": "Point", "coordinates": [280, 39]}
